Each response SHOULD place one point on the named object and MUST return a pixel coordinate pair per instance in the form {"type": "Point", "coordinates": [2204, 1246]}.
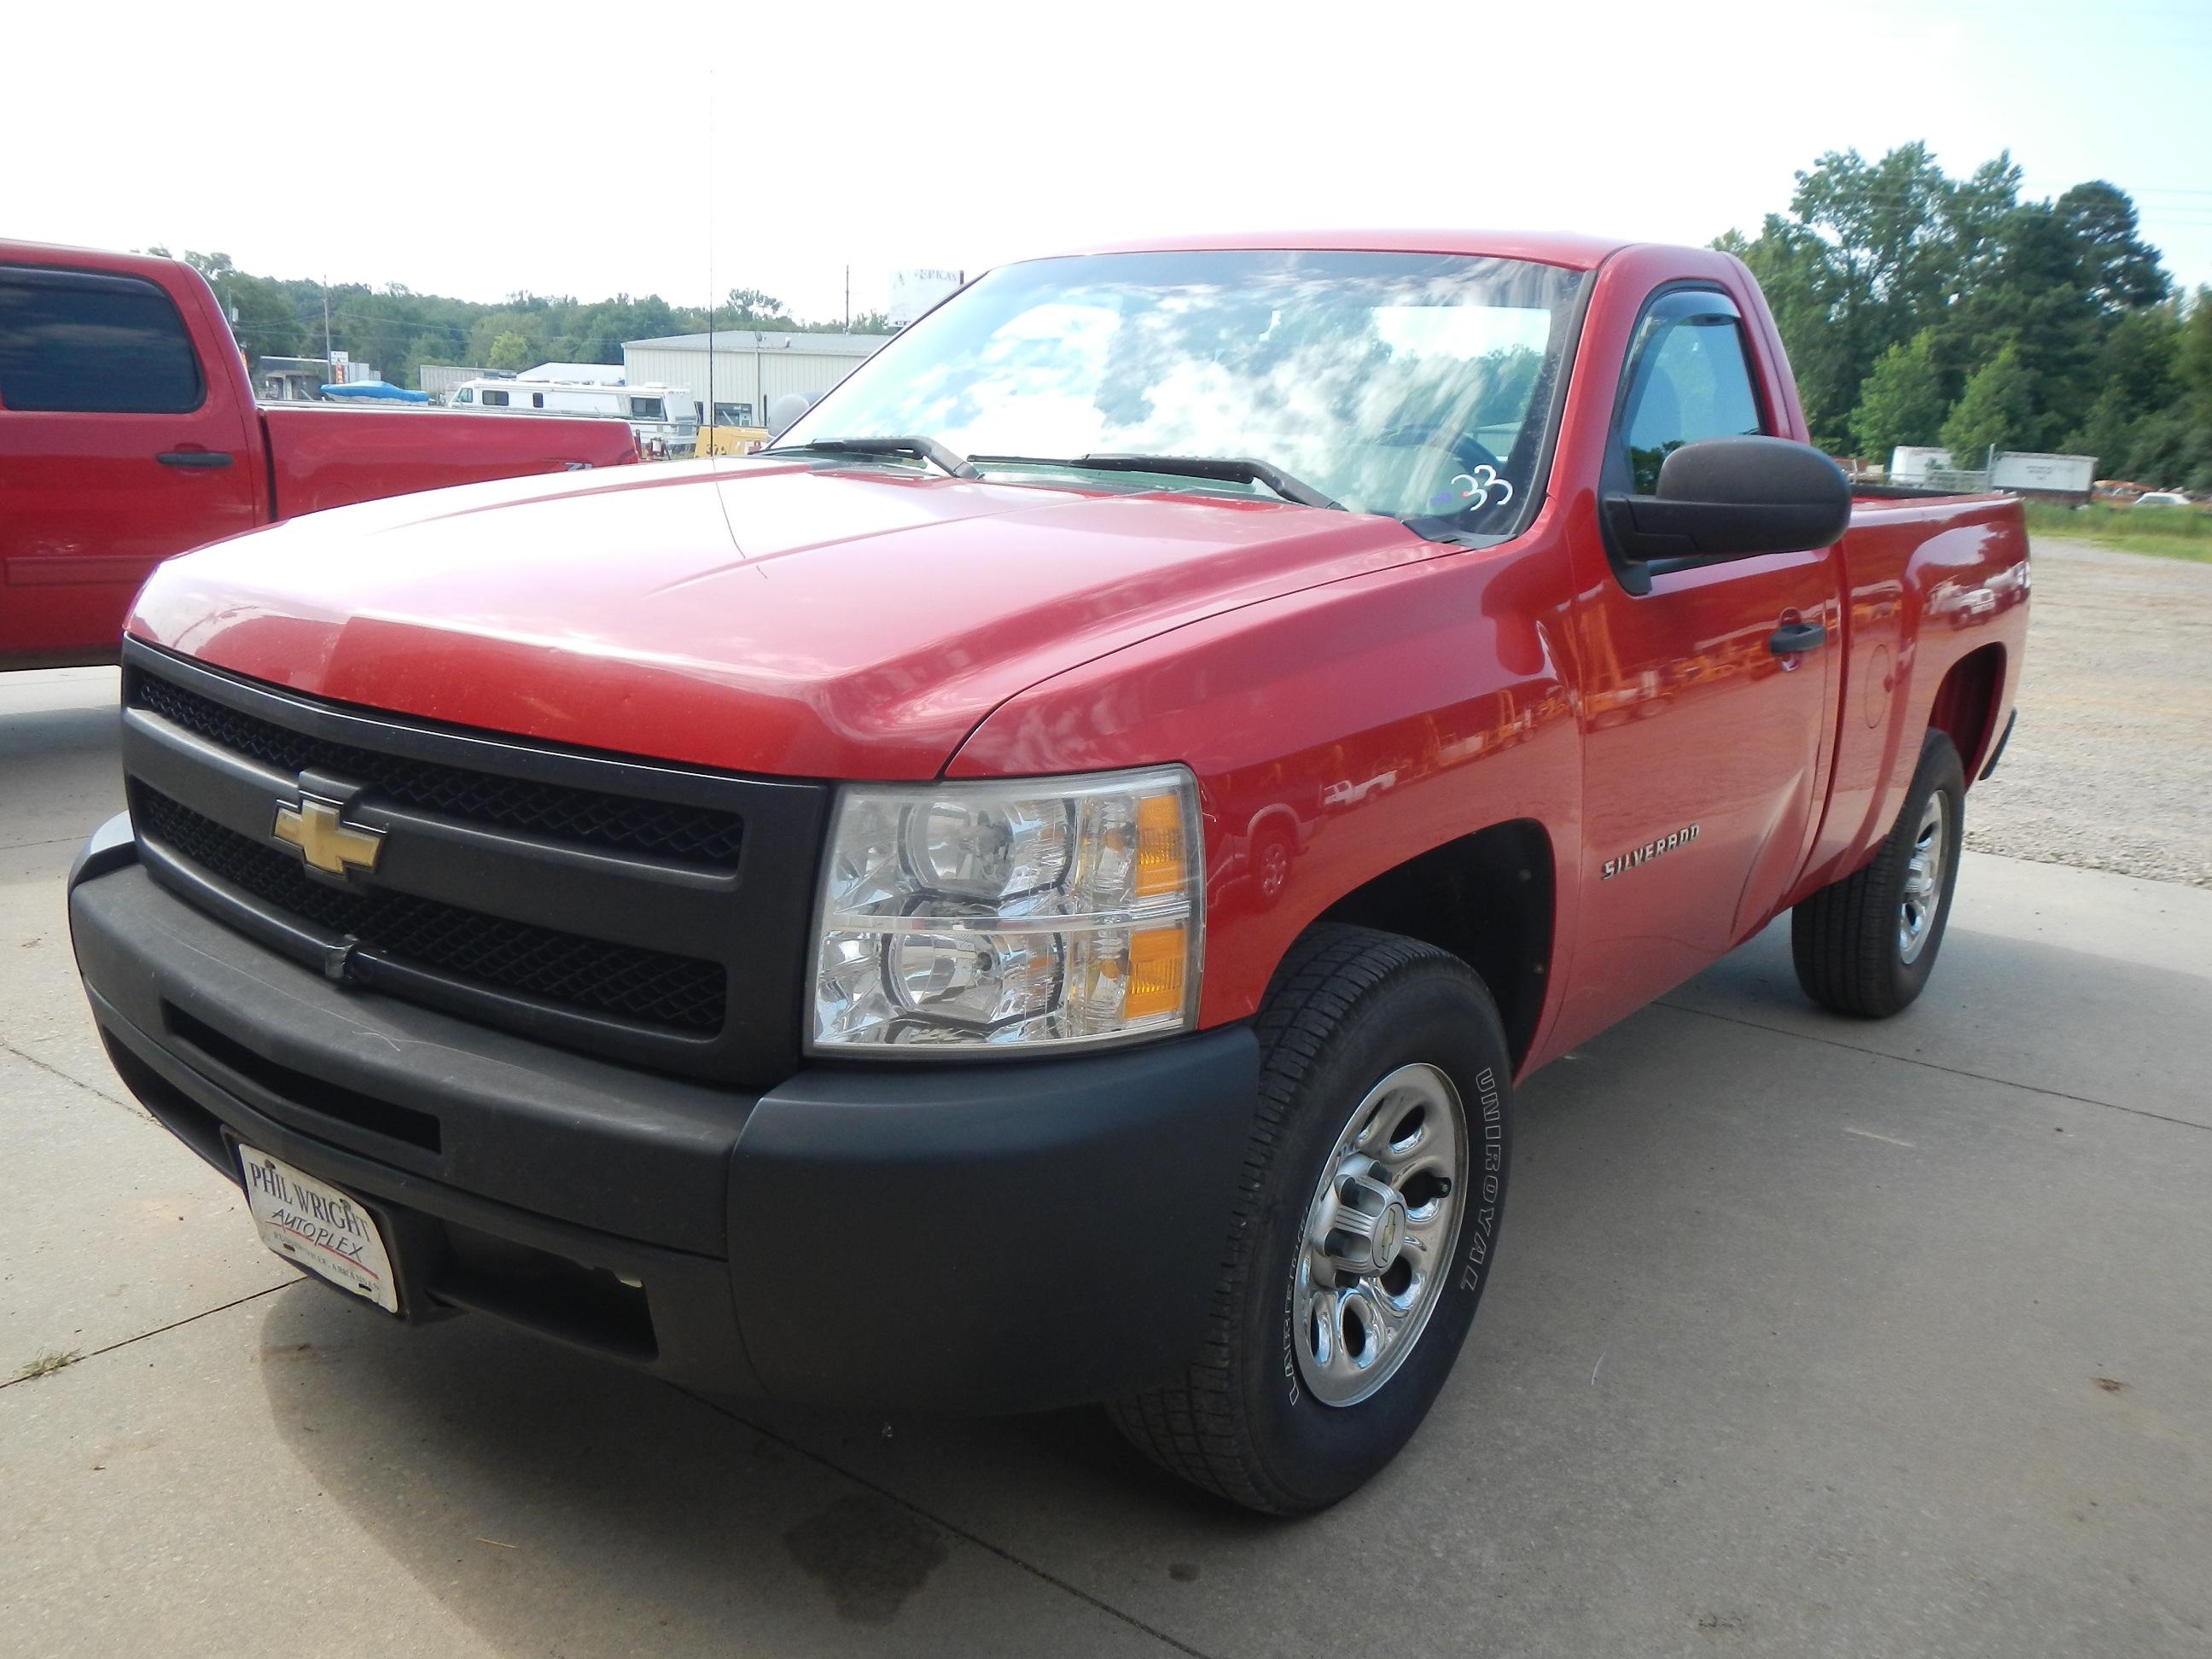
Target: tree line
{"type": "Point", "coordinates": [400, 330]}
{"type": "Point", "coordinates": [1921, 309]}
{"type": "Point", "coordinates": [1917, 309]}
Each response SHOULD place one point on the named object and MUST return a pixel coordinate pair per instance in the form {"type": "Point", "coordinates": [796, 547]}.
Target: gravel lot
{"type": "Point", "coordinates": [2110, 766]}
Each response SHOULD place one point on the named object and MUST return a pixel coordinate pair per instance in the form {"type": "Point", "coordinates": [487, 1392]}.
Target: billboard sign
{"type": "Point", "coordinates": [917, 288]}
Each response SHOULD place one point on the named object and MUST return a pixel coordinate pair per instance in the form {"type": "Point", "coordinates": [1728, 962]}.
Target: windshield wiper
{"type": "Point", "coordinates": [950, 462]}
{"type": "Point", "coordinates": [1230, 470]}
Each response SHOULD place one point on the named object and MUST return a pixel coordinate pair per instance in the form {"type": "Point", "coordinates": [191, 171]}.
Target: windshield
{"type": "Point", "coordinates": [1414, 385]}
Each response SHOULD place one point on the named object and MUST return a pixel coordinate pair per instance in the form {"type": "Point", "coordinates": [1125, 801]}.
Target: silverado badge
{"type": "Point", "coordinates": [1651, 849]}
{"type": "Point", "coordinates": [325, 841]}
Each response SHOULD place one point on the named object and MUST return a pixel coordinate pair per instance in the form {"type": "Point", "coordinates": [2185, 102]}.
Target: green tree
{"type": "Point", "coordinates": [1975, 211]}
{"type": "Point", "coordinates": [2171, 451]}
{"type": "Point", "coordinates": [1871, 255]}
{"type": "Point", "coordinates": [261, 315]}
{"type": "Point", "coordinates": [2037, 301]}
{"type": "Point", "coordinates": [2119, 269]}
{"type": "Point", "coordinates": [1868, 255]}
{"type": "Point", "coordinates": [2193, 358]}
{"type": "Point", "coordinates": [2111, 432]}
{"type": "Point", "coordinates": [509, 351]}
{"type": "Point", "coordinates": [749, 308]}
{"type": "Point", "coordinates": [1995, 409]}
{"type": "Point", "coordinates": [1793, 268]}
{"type": "Point", "coordinates": [2138, 369]}
{"type": "Point", "coordinates": [1902, 401]}
{"type": "Point", "coordinates": [2142, 356]}
{"type": "Point", "coordinates": [266, 322]}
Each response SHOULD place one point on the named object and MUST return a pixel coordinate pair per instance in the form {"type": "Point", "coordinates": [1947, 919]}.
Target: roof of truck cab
{"type": "Point", "coordinates": [57, 254]}
{"type": "Point", "coordinates": [1548, 247]}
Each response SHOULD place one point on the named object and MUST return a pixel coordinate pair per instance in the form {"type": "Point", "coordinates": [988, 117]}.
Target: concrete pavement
{"type": "Point", "coordinates": [1807, 1337]}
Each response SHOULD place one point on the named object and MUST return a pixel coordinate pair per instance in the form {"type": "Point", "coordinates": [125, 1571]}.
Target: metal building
{"type": "Point", "coordinates": [575, 373]}
{"type": "Point", "coordinates": [439, 380]}
{"type": "Point", "coordinates": [751, 370]}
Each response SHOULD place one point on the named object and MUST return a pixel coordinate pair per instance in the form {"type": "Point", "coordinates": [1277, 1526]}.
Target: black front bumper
{"type": "Point", "coordinates": [968, 1237]}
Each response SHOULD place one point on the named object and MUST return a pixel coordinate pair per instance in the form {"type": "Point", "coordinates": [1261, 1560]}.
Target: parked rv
{"type": "Point", "coordinates": [665, 419]}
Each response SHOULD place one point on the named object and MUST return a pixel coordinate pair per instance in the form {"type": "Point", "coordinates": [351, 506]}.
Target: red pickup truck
{"type": "Point", "coordinates": [128, 432]}
{"type": "Point", "coordinates": [1038, 888]}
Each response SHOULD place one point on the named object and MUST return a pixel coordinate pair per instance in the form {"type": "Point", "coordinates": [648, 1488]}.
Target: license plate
{"type": "Point", "coordinates": [323, 1230]}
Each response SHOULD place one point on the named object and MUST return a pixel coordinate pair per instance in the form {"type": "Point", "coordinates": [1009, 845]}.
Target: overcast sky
{"type": "Point", "coordinates": [474, 151]}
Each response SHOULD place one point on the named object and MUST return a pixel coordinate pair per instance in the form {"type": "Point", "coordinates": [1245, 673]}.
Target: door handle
{"type": "Point", "coordinates": [194, 458]}
{"type": "Point", "coordinates": [1793, 637]}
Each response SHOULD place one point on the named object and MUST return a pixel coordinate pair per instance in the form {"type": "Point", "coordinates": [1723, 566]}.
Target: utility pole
{"type": "Point", "coordinates": [848, 299]}
{"type": "Point", "coordinates": [326, 320]}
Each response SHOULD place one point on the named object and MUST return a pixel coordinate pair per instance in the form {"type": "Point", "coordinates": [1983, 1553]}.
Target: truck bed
{"type": "Point", "coordinates": [322, 456]}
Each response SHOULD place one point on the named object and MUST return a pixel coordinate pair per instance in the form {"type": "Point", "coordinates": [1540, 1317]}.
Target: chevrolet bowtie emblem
{"type": "Point", "coordinates": [325, 841]}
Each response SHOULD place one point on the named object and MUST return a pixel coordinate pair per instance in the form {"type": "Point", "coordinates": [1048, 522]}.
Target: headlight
{"type": "Point", "coordinates": [1007, 914]}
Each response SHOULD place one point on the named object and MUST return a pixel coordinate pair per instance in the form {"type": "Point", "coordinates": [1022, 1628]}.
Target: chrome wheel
{"type": "Point", "coordinates": [1923, 879]}
{"type": "Point", "coordinates": [1378, 1244]}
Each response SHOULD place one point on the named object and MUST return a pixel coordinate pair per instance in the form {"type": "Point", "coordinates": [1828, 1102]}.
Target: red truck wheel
{"type": "Point", "coordinates": [1363, 1233]}
{"type": "Point", "coordinates": [1866, 946]}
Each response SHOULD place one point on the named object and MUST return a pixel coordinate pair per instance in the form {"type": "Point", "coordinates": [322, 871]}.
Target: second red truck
{"type": "Point", "coordinates": [1039, 887]}
{"type": "Point", "coordinates": [128, 432]}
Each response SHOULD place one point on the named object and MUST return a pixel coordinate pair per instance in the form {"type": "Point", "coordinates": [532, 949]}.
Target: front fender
{"type": "Point", "coordinates": [1389, 714]}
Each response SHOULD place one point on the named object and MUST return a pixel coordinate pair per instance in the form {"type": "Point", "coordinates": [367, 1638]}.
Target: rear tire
{"type": "Point", "coordinates": [1865, 945]}
{"type": "Point", "coordinates": [1364, 1036]}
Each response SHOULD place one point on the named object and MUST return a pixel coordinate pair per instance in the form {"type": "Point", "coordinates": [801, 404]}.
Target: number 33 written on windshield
{"type": "Point", "coordinates": [1480, 488]}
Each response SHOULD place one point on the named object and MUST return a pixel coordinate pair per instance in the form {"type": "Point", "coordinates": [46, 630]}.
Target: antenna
{"type": "Point", "coordinates": [714, 442]}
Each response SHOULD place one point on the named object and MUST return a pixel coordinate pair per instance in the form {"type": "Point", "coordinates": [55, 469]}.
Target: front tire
{"type": "Point", "coordinates": [1363, 1230]}
{"type": "Point", "coordinates": [1865, 945]}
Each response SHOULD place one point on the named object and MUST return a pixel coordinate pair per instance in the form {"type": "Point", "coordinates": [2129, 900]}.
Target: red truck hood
{"type": "Point", "coordinates": [749, 615]}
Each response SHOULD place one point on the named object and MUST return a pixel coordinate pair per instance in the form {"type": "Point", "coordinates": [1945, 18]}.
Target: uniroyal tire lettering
{"type": "Point", "coordinates": [1493, 1160]}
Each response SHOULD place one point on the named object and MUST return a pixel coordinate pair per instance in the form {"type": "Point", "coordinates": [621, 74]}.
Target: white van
{"type": "Point", "coordinates": [664, 418]}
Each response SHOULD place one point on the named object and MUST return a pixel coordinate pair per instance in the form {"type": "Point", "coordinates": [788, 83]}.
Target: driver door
{"type": "Point", "coordinates": [1705, 741]}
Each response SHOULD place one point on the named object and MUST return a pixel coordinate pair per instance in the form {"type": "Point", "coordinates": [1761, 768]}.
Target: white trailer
{"type": "Point", "coordinates": [2025, 473]}
{"type": "Point", "coordinates": [1909, 464]}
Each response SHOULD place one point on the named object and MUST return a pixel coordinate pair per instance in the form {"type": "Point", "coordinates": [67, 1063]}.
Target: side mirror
{"type": "Point", "coordinates": [1730, 498]}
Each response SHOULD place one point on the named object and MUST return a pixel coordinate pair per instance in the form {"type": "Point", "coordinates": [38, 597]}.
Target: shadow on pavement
{"type": "Point", "coordinates": [1797, 1345]}
{"type": "Point", "coordinates": [58, 731]}
{"type": "Point", "coordinates": [59, 776]}
{"type": "Point", "coordinates": [558, 1503]}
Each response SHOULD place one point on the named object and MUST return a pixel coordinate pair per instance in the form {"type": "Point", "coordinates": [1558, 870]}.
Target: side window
{"type": "Point", "coordinates": [1692, 380]}
{"type": "Point", "coordinates": [648, 409]}
{"type": "Point", "coordinates": [494, 399]}
{"type": "Point", "coordinates": [87, 342]}
{"type": "Point", "coordinates": [537, 400]}
{"type": "Point", "coordinates": [465, 395]}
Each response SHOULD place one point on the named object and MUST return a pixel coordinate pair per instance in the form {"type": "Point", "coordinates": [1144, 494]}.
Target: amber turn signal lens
{"type": "Point", "coordinates": [1159, 846]}
{"type": "Point", "coordinates": [1155, 967]}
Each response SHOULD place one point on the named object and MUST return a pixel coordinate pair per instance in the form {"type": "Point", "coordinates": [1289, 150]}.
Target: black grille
{"type": "Point", "coordinates": [558, 811]}
{"type": "Point", "coordinates": [682, 993]}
